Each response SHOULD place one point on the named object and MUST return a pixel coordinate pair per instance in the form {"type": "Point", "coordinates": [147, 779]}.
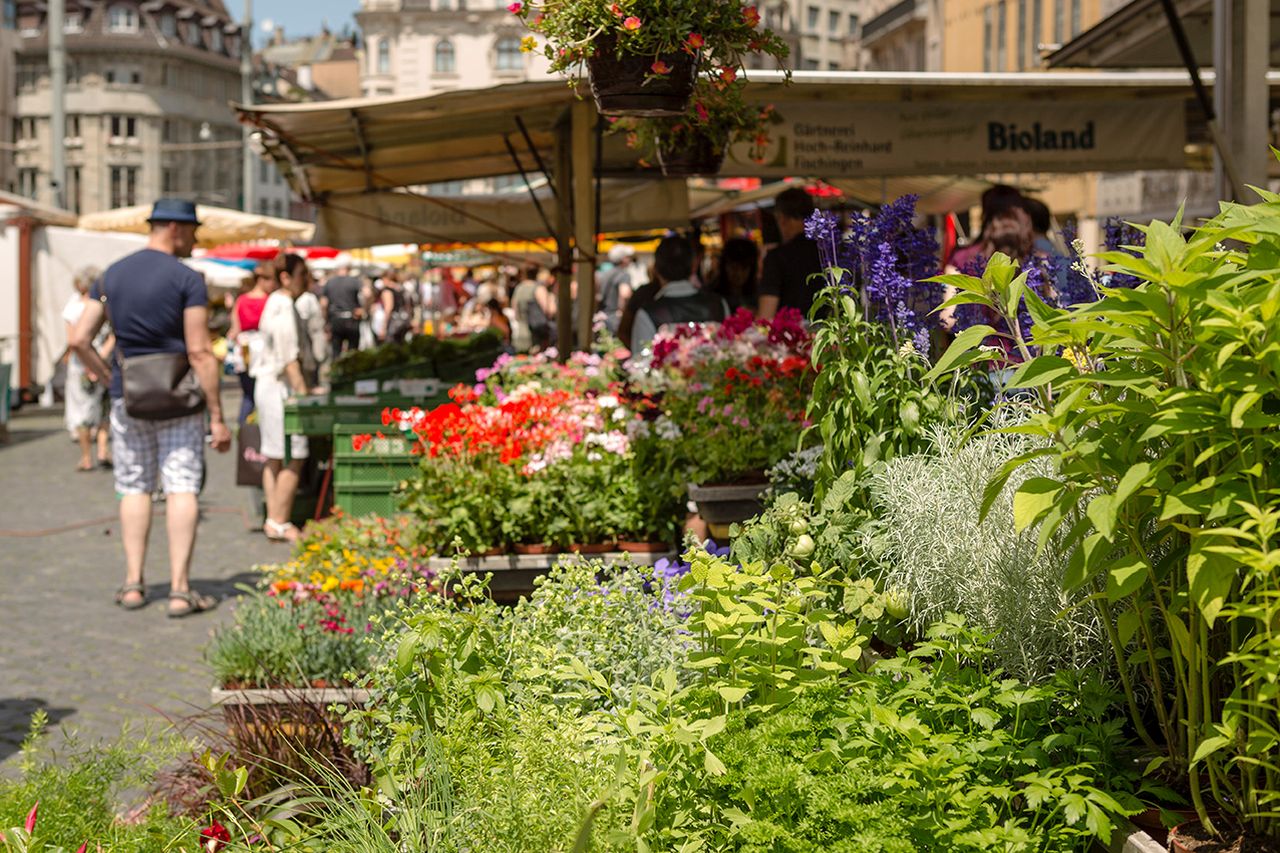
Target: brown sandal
{"type": "Point", "coordinates": [139, 588]}
{"type": "Point", "coordinates": [196, 603]}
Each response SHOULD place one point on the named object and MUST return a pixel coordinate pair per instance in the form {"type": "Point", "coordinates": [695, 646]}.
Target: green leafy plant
{"type": "Point", "coordinates": [871, 399]}
{"type": "Point", "coordinates": [1157, 407]}
{"type": "Point", "coordinates": [717, 114]}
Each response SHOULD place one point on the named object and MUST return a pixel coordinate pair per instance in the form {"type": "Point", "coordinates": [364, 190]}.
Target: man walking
{"type": "Point", "coordinates": [158, 305]}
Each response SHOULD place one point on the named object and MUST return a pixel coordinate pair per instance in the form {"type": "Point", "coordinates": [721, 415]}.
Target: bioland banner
{"type": "Point", "coordinates": [830, 140]}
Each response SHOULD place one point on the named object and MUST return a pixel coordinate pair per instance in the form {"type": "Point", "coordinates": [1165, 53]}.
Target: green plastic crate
{"type": "Point", "coordinates": [365, 499]}
{"type": "Point", "coordinates": [456, 370]}
{"type": "Point", "coordinates": [394, 445]}
{"type": "Point", "coordinates": [318, 416]}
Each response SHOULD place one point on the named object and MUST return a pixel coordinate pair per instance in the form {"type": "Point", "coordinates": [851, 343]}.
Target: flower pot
{"type": "Point", "coordinates": [598, 548]}
{"type": "Point", "coordinates": [724, 505]}
{"type": "Point", "coordinates": [534, 548]}
{"type": "Point", "coordinates": [638, 547]}
{"type": "Point", "coordinates": [624, 85]}
{"type": "Point", "coordinates": [704, 156]}
{"type": "Point", "coordinates": [1191, 837]}
{"type": "Point", "coordinates": [492, 552]}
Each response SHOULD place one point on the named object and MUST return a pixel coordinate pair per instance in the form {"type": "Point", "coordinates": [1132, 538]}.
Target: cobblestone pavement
{"type": "Point", "coordinates": [64, 646]}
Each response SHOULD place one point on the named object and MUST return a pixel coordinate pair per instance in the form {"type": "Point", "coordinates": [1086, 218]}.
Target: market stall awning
{"type": "Point", "coordinates": [360, 219]}
{"type": "Point", "coordinates": [217, 225]}
{"type": "Point", "coordinates": [15, 206]}
{"type": "Point", "coordinates": [833, 125]}
{"type": "Point", "coordinates": [1137, 35]}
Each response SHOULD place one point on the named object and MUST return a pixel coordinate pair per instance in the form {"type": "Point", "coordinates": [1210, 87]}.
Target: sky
{"type": "Point", "coordinates": [298, 17]}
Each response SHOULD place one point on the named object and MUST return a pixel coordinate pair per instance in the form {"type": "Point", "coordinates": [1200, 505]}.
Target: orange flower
{"type": "Point", "coordinates": [695, 41]}
{"type": "Point", "coordinates": [660, 67]}
{"type": "Point", "coordinates": [751, 16]}
{"type": "Point", "coordinates": [728, 74]}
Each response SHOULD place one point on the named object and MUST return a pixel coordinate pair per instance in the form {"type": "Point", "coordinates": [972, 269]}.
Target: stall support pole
{"type": "Point", "coordinates": [584, 215]}
{"type": "Point", "coordinates": [25, 291]}
{"type": "Point", "coordinates": [1241, 57]}
{"type": "Point", "coordinates": [564, 242]}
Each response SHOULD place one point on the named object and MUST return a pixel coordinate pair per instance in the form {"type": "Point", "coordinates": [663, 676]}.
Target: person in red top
{"type": "Point", "coordinates": [245, 316]}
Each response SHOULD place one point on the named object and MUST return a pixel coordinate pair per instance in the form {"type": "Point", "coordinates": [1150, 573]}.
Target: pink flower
{"type": "Point", "coordinates": [695, 41]}
{"type": "Point", "coordinates": [30, 825]}
{"type": "Point", "coordinates": [703, 115]}
{"type": "Point", "coordinates": [632, 24]}
{"type": "Point", "coordinates": [728, 74]}
{"type": "Point", "coordinates": [660, 67]}
{"type": "Point", "coordinates": [515, 8]}
{"type": "Point", "coordinates": [615, 9]}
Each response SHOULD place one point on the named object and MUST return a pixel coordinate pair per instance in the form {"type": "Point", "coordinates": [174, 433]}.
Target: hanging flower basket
{"type": "Point", "coordinates": [703, 155]}
{"type": "Point", "coordinates": [627, 85]}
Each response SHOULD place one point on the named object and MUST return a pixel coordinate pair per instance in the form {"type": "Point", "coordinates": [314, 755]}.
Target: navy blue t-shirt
{"type": "Point", "coordinates": [146, 294]}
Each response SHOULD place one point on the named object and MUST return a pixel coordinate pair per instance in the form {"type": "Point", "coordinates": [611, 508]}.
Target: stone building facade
{"type": "Point", "coordinates": [423, 47]}
{"type": "Point", "coordinates": [149, 87]}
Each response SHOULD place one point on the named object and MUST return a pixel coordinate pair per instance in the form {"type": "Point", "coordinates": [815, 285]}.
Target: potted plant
{"type": "Point", "coordinates": [643, 56]}
{"type": "Point", "coordinates": [696, 142]}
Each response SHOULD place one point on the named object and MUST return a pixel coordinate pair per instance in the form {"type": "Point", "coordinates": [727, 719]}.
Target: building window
{"type": "Point", "coordinates": [194, 36]}
{"type": "Point", "coordinates": [1022, 34]}
{"type": "Point", "coordinates": [264, 176]}
{"type": "Point", "coordinates": [124, 186]}
{"type": "Point", "coordinates": [1059, 21]}
{"type": "Point", "coordinates": [24, 128]}
{"type": "Point", "coordinates": [122, 19]}
{"type": "Point", "coordinates": [384, 57]}
{"type": "Point", "coordinates": [215, 40]}
{"type": "Point", "coordinates": [1002, 34]}
{"type": "Point", "coordinates": [1075, 18]}
{"type": "Point", "coordinates": [124, 127]}
{"type": "Point", "coordinates": [168, 184]}
{"type": "Point", "coordinates": [445, 60]}
{"type": "Point", "coordinates": [29, 74]}
{"type": "Point", "coordinates": [509, 56]}
{"type": "Point", "coordinates": [853, 25]}
{"type": "Point", "coordinates": [812, 19]}
{"type": "Point", "coordinates": [169, 25]}
{"type": "Point", "coordinates": [9, 15]}
{"type": "Point", "coordinates": [73, 23]}
{"type": "Point", "coordinates": [74, 193]}
{"type": "Point", "coordinates": [988, 38]}
{"type": "Point", "coordinates": [811, 65]}
{"type": "Point", "coordinates": [73, 127]}
{"type": "Point", "coordinates": [27, 181]}
{"type": "Point", "coordinates": [833, 23]}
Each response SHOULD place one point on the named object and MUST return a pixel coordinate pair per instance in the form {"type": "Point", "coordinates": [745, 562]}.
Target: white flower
{"type": "Point", "coordinates": [607, 402]}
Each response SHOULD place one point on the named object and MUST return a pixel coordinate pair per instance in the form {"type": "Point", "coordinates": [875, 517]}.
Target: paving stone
{"type": "Point", "coordinates": [64, 646]}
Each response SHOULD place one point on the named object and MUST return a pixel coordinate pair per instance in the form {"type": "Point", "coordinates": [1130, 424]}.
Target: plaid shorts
{"type": "Point", "coordinates": [141, 450]}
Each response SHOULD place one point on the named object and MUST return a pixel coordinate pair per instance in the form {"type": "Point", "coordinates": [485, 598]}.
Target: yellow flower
{"type": "Point", "coordinates": [329, 585]}
{"type": "Point", "coordinates": [528, 44]}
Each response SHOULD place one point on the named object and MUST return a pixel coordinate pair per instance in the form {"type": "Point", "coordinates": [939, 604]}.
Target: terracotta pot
{"type": "Point", "coordinates": [598, 548]}
{"type": "Point", "coordinates": [1190, 837]}
{"type": "Point", "coordinates": [534, 548]}
{"type": "Point", "coordinates": [626, 86]}
{"type": "Point", "coordinates": [704, 157]}
{"type": "Point", "coordinates": [643, 547]}
{"type": "Point", "coordinates": [492, 552]}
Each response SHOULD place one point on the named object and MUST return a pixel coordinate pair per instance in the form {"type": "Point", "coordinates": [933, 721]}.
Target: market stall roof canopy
{"type": "Point", "coordinates": [934, 194]}
{"type": "Point", "coordinates": [1137, 35]}
{"type": "Point", "coordinates": [217, 225]}
{"type": "Point", "coordinates": [833, 125]}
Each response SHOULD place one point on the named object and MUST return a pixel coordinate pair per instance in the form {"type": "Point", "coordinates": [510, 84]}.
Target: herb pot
{"type": "Point", "coordinates": [1191, 837]}
{"type": "Point", "coordinates": [638, 547]}
{"type": "Point", "coordinates": [725, 505]}
{"type": "Point", "coordinates": [598, 548]}
{"type": "Point", "coordinates": [534, 548]}
{"type": "Point", "coordinates": [703, 156]}
{"type": "Point", "coordinates": [625, 85]}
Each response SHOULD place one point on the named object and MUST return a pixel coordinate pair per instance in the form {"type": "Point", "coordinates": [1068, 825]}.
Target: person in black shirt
{"type": "Point", "coordinates": [343, 311]}
{"type": "Point", "coordinates": [785, 281]}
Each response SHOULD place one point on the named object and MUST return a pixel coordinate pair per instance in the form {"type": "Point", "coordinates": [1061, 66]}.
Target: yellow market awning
{"type": "Point", "coordinates": [218, 225]}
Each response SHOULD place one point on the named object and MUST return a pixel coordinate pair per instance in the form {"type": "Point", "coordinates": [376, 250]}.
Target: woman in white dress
{"type": "Point", "coordinates": [83, 394]}
{"type": "Point", "coordinates": [278, 375]}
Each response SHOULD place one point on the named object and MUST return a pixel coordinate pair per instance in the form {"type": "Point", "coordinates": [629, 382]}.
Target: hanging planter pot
{"type": "Point", "coordinates": [625, 85]}
{"type": "Point", "coordinates": [703, 155]}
